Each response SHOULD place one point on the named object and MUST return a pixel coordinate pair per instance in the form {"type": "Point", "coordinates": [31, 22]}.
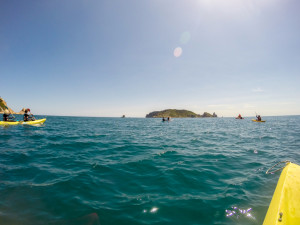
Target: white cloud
{"type": "Point", "coordinates": [249, 106]}
{"type": "Point", "coordinates": [257, 90]}
{"type": "Point", "coordinates": [222, 106]}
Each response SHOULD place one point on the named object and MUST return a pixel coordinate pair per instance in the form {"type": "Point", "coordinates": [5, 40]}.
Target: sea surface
{"type": "Point", "coordinates": [142, 170]}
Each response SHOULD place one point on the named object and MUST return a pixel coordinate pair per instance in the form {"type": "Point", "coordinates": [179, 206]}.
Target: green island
{"type": "Point", "coordinates": [178, 113]}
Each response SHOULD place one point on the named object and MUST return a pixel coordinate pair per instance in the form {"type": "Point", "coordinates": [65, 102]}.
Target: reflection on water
{"type": "Point", "coordinates": [153, 210]}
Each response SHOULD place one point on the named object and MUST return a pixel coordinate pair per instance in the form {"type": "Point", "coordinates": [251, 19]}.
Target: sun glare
{"type": "Point", "coordinates": [235, 6]}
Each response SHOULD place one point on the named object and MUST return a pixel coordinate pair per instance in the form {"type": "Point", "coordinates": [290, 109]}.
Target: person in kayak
{"type": "Point", "coordinates": [258, 117]}
{"type": "Point", "coordinates": [163, 119]}
{"type": "Point", "coordinates": [240, 117]}
{"type": "Point", "coordinates": [7, 116]}
{"type": "Point", "coordinates": [28, 117]}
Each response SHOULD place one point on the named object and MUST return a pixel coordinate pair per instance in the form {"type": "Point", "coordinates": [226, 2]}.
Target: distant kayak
{"type": "Point", "coordinates": [34, 122]}
{"type": "Point", "coordinates": [262, 121]}
{"type": "Point", "coordinates": [240, 118]}
{"type": "Point", "coordinates": [284, 207]}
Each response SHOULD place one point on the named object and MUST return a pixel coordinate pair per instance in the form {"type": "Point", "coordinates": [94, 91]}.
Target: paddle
{"type": "Point", "coordinates": [257, 117]}
{"type": "Point", "coordinates": [32, 117]}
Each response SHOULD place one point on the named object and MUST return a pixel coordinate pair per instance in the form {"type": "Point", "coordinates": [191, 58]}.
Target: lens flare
{"type": "Point", "coordinates": [185, 37]}
{"type": "Point", "coordinates": [177, 52]}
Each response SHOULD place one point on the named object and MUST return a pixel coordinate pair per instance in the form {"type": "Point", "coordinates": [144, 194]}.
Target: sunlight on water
{"type": "Point", "coordinates": [237, 213]}
{"type": "Point", "coordinates": [153, 210]}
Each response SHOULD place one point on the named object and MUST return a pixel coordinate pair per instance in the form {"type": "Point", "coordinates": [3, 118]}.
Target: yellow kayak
{"type": "Point", "coordinates": [35, 122]}
{"type": "Point", "coordinates": [6, 123]}
{"type": "Point", "coordinates": [285, 205]}
{"type": "Point", "coordinates": [262, 121]}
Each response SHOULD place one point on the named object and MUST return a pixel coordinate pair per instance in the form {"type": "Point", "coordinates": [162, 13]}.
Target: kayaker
{"type": "Point", "coordinates": [6, 115]}
{"type": "Point", "coordinates": [163, 119]}
{"type": "Point", "coordinates": [169, 119]}
{"type": "Point", "coordinates": [28, 117]}
{"type": "Point", "coordinates": [258, 118]}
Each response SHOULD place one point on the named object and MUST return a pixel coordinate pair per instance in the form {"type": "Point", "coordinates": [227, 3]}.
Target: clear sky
{"type": "Point", "coordinates": [115, 57]}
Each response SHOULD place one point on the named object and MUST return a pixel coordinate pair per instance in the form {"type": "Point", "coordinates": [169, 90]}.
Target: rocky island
{"type": "Point", "coordinates": [178, 113]}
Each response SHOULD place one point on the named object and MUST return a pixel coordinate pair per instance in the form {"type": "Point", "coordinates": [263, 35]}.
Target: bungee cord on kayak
{"type": "Point", "coordinates": [272, 172]}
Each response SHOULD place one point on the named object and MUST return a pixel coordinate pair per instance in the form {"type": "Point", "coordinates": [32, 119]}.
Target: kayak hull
{"type": "Point", "coordinates": [262, 121]}
{"type": "Point", "coordinates": [284, 207]}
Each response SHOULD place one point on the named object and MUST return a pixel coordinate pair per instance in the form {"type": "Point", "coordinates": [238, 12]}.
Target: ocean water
{"type": "Point", "coordinates": [143, 171]}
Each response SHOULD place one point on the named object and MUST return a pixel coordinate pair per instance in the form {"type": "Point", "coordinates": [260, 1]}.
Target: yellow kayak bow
{"type": "Point", "coordinates": [284, 208]}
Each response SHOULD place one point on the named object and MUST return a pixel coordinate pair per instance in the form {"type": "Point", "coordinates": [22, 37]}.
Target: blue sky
{"type": "Point", "coordinates": [115, 57]}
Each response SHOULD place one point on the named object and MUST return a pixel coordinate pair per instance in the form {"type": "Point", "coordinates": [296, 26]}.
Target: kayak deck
{"type": "Point", "coordinates": [284, 207]}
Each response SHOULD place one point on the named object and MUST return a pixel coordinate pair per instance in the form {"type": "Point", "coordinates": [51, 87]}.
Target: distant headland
{"type": "Point", "coordinates": [178, 113]}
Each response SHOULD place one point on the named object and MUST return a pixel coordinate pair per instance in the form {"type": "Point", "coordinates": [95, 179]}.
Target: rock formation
{"type": "Point", "coordinates": [3, 106]}
{"type": "Point", "coordinates": [22, 111]}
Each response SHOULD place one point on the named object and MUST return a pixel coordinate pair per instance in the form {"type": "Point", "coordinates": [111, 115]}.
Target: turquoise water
{"type": "Point", "coordinates": [143, 171]}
